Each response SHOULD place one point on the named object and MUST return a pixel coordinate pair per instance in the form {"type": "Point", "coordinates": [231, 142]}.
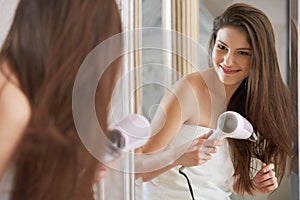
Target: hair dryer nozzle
{"type": "Point", "coordinates": [134, 131]}
{"type": "Point", "coordinates": [253, 137]}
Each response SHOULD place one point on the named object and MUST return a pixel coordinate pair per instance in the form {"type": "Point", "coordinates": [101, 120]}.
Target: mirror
{"type": "Point", "coordinates": [156, 13]}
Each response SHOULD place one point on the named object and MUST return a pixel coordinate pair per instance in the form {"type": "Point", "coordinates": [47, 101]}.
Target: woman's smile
{"type": "Point", "coordinates": [228, 71]}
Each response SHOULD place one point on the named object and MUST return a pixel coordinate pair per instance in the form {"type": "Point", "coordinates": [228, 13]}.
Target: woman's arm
{"type": "Point", "coordinates": [198, 153]}
{"type": "Point", "coordinates": [177, 107]}
{"type": "Point", "coordinates": [14, 116]}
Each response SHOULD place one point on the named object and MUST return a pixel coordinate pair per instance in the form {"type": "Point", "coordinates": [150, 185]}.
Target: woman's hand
{"type": "Point", "coordinates": [199, 152]}
{"type": "Point", "coordinates": [265, 180]}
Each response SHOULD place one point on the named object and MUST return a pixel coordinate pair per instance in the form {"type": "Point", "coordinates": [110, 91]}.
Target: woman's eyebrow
{"type": "Point", "coordinates": [242, 48]}
{"type": "Point", "coordinates": [222, 42]}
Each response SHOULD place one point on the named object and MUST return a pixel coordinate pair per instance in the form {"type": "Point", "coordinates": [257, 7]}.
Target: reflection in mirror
{"type": "Point", "coordinates": [159, 14]}
{"type": "Point", "coordinates": [278, 13]}
{"type": "Point", "coordinates": [152, 59]}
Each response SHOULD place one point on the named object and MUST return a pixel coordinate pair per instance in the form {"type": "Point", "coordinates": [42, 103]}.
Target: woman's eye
{"type": "Point", "coordinates": [244, 53]}
{"type": "Point", "coordinates": [221, 47]}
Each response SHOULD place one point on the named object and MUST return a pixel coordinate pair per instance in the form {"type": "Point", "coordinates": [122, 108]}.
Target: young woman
{"type": "Point", "coordinates": [39, 60]}
{"type": "Point", "coordinates": [244, 77]}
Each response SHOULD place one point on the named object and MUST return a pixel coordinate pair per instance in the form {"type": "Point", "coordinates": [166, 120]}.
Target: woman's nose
{"type": "Point", "coordinates": [229, 59]}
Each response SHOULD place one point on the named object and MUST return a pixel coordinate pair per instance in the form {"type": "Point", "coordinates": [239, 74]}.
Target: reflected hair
{"type": "Point", "coordinates": [263, 98]}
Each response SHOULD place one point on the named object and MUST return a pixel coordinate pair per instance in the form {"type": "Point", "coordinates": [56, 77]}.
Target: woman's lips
{"type": "Point", "coordinates": [228, 71]}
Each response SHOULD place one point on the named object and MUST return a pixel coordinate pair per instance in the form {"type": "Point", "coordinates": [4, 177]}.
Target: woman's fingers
{"type": "Point", "coordinates": [200, 151]}
{"type": "Point", "coordinates": [207, 142]}
{"type": "Point", "coordinates": [207, 135]}
{"type": "Point", "coordinates": [265, 180]}
{"type": "Point", "coordinates": [266, 188]}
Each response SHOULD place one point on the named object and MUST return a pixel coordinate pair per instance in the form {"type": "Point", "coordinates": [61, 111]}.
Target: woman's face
{"type": "Point", "coordinates": [231, 55]}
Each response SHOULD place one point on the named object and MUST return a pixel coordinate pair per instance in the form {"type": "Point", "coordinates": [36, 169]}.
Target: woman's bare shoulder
{"type": "Point", "coordinates": [15, 113]}
{"type": "Point", "coordinates": [196, 81]}
{"type": "Point", "coordinates": [14, 105]}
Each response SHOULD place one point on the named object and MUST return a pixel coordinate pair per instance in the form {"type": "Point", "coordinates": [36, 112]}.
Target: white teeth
{"type": "Point", "coordinates": [228, 70]}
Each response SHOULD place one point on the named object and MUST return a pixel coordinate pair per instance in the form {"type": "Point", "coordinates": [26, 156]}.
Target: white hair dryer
{"type": "Point", "coordinates": [127, 134]}
{"type": "Point", "coordinates": [233, 125]}
{"type": "Point", "coordinates": [131, 132]}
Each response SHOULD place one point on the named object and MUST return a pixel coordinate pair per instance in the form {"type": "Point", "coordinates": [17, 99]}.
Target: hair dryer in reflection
{"type": "Point", "coordinates": [131, 132]}
{"type": "Point", "coordinates": [128, 134]}
{"type": "Point", "coordinates": [233, 125]}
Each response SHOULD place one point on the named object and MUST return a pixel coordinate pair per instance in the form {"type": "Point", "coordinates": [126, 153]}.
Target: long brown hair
{"type": "Point", "coordinates": [262, 97]}
{"type": "Point", "coordinates": [44, 49]}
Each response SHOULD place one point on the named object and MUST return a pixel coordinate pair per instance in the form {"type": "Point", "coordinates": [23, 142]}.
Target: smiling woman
{"type": "Point", "coordinates": [232, 55]}
{"type": "Point", "coordinates": [243, 73]}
